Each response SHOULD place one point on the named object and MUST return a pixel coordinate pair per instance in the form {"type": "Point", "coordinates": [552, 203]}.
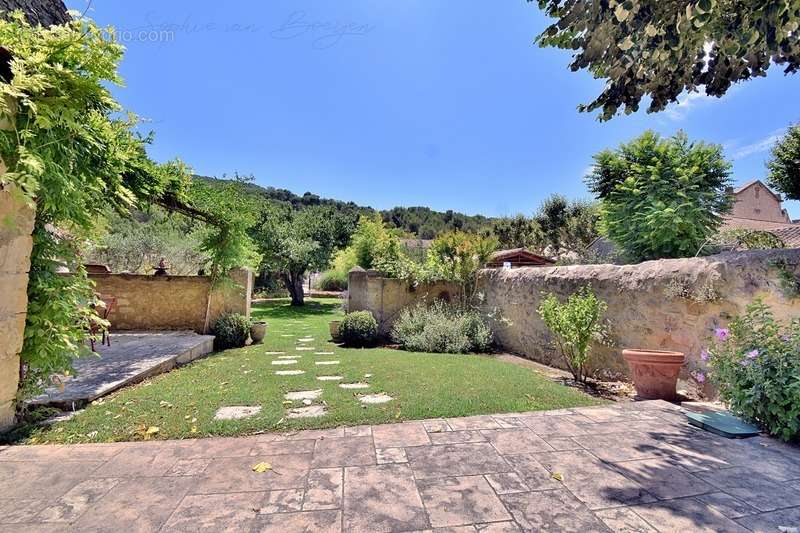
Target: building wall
{"type": "Point", "coordinates": [386, 297]}
{"type": "Point", "coordinates": [171, 302]}
{"type": "Point", "coordinates": [758, 203]}
{"type": "Point", "coordinates": [657, 304]}
{"type": "Point", "coordinates": [16, 226]}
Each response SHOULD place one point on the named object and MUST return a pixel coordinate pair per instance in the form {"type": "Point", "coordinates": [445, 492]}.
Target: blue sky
{"type": "Point", "coordinates": [413, 102]}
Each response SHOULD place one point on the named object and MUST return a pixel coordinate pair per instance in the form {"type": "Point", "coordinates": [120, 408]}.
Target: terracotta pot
{"type": "Point", "coordinates": [335, 329]}
{"type": "Point", "coordinates": [257, 331]}
{"type": "Point", "coordinates": [655, 372]}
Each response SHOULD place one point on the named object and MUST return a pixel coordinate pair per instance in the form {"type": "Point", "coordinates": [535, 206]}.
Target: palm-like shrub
{"type": "Point", "coordinates": [661, 197]}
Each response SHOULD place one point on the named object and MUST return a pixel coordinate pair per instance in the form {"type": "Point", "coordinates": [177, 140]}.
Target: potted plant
{"type": "Point", "coordinates": [258, 329]}
{"type": "Point", "coordinates": [655, 372]}
{"type": "Point", "coordinates": [335, 329]}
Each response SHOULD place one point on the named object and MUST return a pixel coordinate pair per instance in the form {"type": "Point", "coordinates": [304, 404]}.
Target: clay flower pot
{"type": "Point", "coordinates": [335, 329]}
{"type": "Point", "coordinates": [655, 372]}
{"type": "Point", "coordinates": [257, 331]}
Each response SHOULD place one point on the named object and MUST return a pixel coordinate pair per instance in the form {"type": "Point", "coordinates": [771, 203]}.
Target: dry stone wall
{"type": "Point", "coordinates": [171, 302]}
{"type": "Point", "coordinates": [671, 304]}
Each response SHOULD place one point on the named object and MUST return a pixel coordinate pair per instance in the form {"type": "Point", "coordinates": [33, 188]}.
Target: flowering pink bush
{"type": "Point", "coordinates": [755, 363]}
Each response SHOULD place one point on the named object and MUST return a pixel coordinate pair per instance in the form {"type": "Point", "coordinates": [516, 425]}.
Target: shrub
{"type": "Point", "coordinates": [574, 323]}
{"type": "Point", "coordinates": [358, 328]}
{"type": "Point", "coordinates": [755, 363]}
{"type": "Point", "coordinates": [333, 280]}
{"type": "Point", "coordinates": [661, 197]}
{"type": "Point", "coordinates": [441, 328]}
{"type": "Point", "coordinates": [231, 330]}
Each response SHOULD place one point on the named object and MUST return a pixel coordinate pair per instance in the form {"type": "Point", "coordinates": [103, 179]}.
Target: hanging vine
{"type": "Point", "coordinates": [71, 154]}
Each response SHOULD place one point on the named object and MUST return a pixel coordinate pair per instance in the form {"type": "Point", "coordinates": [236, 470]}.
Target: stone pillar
{"type": "Point", "coordinates": [16, 226]}
{"type": "Point", "coordinates": [233, 296]}
{"type": "Point", "coordinates": [356, 289]}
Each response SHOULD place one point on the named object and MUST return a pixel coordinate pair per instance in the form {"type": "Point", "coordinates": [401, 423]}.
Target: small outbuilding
{"type": "Point", "coordinates": [518, 257]}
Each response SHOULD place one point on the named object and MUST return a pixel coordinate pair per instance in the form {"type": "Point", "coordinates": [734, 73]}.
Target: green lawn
{"type": "Point", "coordinates": [182, 403]}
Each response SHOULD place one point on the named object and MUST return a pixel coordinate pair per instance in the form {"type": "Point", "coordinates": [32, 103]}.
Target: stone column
{"type": "Point", "coordinates": [16, 226]}
{"type": "Point", "coordinates": [356, 289]}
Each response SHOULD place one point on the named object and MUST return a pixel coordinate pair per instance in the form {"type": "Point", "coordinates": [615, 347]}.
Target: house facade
{"type": "Point", "coordinates": [756, 201]}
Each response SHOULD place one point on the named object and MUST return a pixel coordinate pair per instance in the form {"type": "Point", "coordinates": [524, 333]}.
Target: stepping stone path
{"type": "Point", "coordinates": [329, 378]}
{"type": "Point", "coordinates": [236, 412]}
{"type": "Point", "coordinates": [305, 339]}
{"type": "Point", "coordinates": [323, 353]}
{"type": "Point", "coordinates": [354, 385]}
{"type": "Point", "coordinates": [304, 349]}
{"type": "Point", "coordinates": [287, 335]}
{"type": "Point", "coordinates": [274, 353]}
{"type": "Point", "coordinates": [375, 398]}
{"type": "Point", "coordinates": [327, 362]}
{"type": "Point", "coordinates": [289, 356]}
{"type": "Point", "coordinates": [285, 362]}
{"type": "Point", "coordinates": [289, 372]}
{"type": "Point", "coordinates": [312, 411]}
{"type": "Point", "coordinates": [303, 395]}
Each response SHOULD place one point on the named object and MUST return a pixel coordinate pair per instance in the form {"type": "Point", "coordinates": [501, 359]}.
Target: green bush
{"type": "Point", "coordinates": [231, 331]}
{"type": "Point", "coordinates": [333, 280]}
{"type": "Point", "coordinates": [574, 323]}
{"type": "Point", "coordinates": [661, 197]}
{"type": "Point", "coordinates": [755, 363]}
{"type": "Point", "coordinates": [441, 328]}
{"type": "Point", "coordinates": [358, 328]}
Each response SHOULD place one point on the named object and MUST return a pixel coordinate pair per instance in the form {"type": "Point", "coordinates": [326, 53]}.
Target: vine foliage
{"type": "Point", "coordinates": [72, 154]}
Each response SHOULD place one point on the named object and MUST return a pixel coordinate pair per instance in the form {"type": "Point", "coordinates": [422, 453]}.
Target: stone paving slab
{"type": "Point", "coordinates": [132, 357]}
{"type": "Point", "coordinates": [631, 468]}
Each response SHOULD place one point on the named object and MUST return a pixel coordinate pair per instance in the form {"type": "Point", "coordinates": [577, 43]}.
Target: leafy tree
{"type": "Point", "coordinates": [518, 232]}
{"type": "Point", "coordinates": [135, 242]}
{"type": "Point", "coordinates": [784, 164]}
{"type": "Point", "coordinates": [659, 49]}
{"type": "Point", "coordinates": [458, 256]}
{"type": "Point", "coordinates": [661, 197]}
{"type": "Point", "coordinates": [575, 324]}
{"type": "Point", "coordinates": [567, 225]}
{"type": "Point", "coordinates": [294, 242]}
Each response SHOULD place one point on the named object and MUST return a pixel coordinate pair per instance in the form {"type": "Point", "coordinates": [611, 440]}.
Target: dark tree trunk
{"type": "Point", "coordinates": [294, 284]}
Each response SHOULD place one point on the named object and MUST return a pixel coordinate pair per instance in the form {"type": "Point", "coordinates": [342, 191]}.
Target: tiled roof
{"type": "Point", "coordinates": [789, 233]}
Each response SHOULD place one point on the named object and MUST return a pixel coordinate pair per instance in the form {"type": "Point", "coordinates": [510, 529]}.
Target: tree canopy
{"type": "Point", "coordinates": [784, 164]}
{"type": "Point", "coordinates": [661, 197]}
{"type": "Point", "coordinates": [658, 50]}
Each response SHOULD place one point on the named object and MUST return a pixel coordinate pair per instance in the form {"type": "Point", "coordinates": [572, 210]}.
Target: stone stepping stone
{"type": "Point", "coordinates": [354, 385]}
{"type": "Point", "coordinates": [289, 356]}
{"type": "Point", "coordinates": [289, 372]}
{"type": "Point", "coordinates": [287, 335]}
{"type": "Point", "coordinates": [327, 363]}
{"type": "Point", "coordinates": [312, 411]}
{"type": "Point", "coordinates": [303, 395]}
{"type": "Point", "coordinates": [274, 353]}
{"type": "Point", "coordinates": [323, 353]}
{"type": "Point", "coordinates": [305, 339]}
{"type": "Point", "coordinates": [375, 398]}
{"type": "Point", "coordinates": [285, 362]}
{"type": "Point", "coordinates": [305, 349]}
{"type": "Point", "coordinates": [236, 412]}
{"type": "Point", "coordinates": [367, 375]}
{"type": "Point", "coordinates": [329, 378]}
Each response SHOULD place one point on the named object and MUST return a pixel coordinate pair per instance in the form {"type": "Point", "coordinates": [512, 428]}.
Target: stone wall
{"type": "Point", "coordinates": [171, 302]}
{"type": "Point", "coordinates": [671, 304]}
{"type": "Point", "coordinates": [386, 297]}
{"type": "Point", "coordinates": [16, 225]}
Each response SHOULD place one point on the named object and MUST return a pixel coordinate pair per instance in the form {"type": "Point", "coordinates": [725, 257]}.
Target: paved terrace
{"type": "Point", "coordinates": [634, 467]}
